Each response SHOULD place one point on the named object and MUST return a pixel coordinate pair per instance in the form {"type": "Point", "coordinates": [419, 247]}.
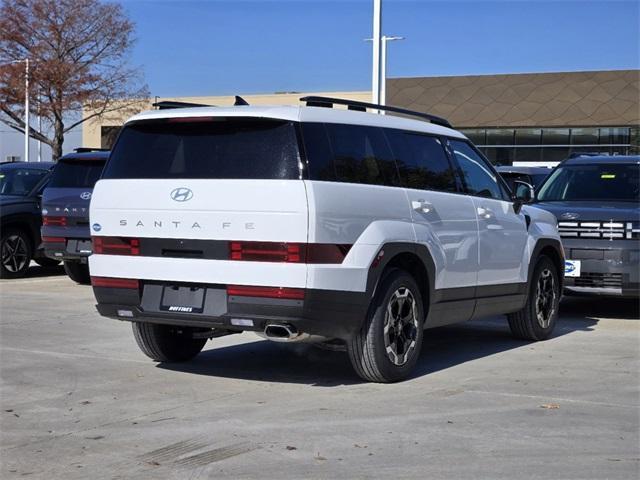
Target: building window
{"type": "Point", "coordinates": [108, 136]}
{"type": "Point", "coordinates": [505, 146]}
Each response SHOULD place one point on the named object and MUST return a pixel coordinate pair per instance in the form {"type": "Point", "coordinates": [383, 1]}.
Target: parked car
{"type": "Point", "coordinates": [596, 200]}
{"type": "Point", "coordinates": [21, 185]}
{"type": "Point", "coordinates": [310, 224]}
{"type": "Point", "coordinates": [534, 176]}
{"type": "Point", "coordinates": [65, 211]}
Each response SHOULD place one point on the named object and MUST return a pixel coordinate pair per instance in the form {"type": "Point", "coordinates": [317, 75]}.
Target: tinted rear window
{"type": "Point", "coordinates": [70, 174]}
{"type": "Point", "coordinates": [213, 148]}
{"type": "Point", "coordinates": [422, 161]}
{"type": "Point", "coordinates": [349, 153]}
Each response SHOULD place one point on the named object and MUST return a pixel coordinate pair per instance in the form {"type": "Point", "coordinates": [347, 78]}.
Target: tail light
{"type": "Point", "coordinates": [267, 252]}
{"type": "Point", "coordinates": [116, 245]}
{"type": "Point", "coordinates": [108, 282]}
{"type": "Point", "coordinates": [53, 239]}
{"type": "Point", "coordinates": [49, 220]}
{"type": "Point", "coordinates": [266, 292]}
{"type": "Point", "coordinates": [288, 252]}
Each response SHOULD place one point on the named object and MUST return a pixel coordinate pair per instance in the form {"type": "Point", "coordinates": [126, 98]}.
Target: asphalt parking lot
{"type": "Point", "coordinates": [78, 400]}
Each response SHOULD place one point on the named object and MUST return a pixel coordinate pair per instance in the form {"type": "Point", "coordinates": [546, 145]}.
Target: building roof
{"type": "Point", "coordinates": [599, 98]}
{"type": "Point", "coordinates": [302, 114]}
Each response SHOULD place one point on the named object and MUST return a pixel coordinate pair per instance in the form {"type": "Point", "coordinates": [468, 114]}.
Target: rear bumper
{"type": "Point", "coordinates": [75, 244]}
{"type": "Point", "coordinates": [609, 268]}
{"type": "Point", "coordinates": [331, 314]}
{"type": "Point", "coordinates": [78, 249]}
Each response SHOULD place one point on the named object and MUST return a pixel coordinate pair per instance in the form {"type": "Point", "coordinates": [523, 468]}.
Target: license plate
{"type": "Point", "coordinates": [572, 268]}
{"type": "Point", "coordinates": [84, 246]}
{"type": "Point", "coordinates": [181, 299]}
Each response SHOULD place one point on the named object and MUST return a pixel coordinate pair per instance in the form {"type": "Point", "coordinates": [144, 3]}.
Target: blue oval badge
{"type": "Point", "coordinates": [569, 267]}
{"type": "Point", "coordinates": [96, 227]}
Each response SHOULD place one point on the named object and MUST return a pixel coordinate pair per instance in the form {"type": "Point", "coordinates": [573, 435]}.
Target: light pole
{"type": "Point", "coordinates": [26, 109]}
{"type": "Point", "coordinates": [26, 105]}
{"type": "Point", "coordinates": [382, 86]}
{"type": "Point", "coordinates": [383, 76]}
{"type": "Point", "coordinates": [375, 74]}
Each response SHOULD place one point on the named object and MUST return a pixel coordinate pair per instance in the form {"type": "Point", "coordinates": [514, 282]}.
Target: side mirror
{"type": "Point", "coordinates": [523, 193]}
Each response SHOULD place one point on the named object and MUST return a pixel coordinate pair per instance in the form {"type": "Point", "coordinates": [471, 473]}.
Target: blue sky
{"type": "Point", "coordinates": [221, 47]}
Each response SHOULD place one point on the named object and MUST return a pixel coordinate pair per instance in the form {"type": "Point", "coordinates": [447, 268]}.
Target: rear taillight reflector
{"type": "Point", "coordinates": [116, 245]}
{"type": "Point", "coordinates": [129, 283]}
{"type": "Point", "coordinates": [266, 292]}
{"type": "Point", "coordinates": [266, 252]}
{"type": "Point", "coordinates": [51, 221]}
{"type": "Point", "coordinates": [288, 252]}
{"type": "Point", "coordinates": [53, 239]}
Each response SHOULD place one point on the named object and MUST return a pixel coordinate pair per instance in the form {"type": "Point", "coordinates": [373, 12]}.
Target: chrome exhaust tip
{"type": "Point", "coordinates": [281, 332]}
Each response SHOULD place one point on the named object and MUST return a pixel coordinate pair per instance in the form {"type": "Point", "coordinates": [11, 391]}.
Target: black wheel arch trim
{"type": "Point", "coordinates": [392, 251]}
{"type": "Point", "coordinates": [542, 244]}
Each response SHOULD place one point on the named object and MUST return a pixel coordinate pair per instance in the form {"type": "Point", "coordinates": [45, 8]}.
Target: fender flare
{"type": "Point", "coordinates": [541, 244]}
{"type": "Point", "coordinates": [391, 251]}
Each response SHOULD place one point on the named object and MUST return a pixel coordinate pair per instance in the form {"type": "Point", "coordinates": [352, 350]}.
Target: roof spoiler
{"type": "Point", "coordinates": [167, 104]}
{"type": "Point", "coordinates": [89, 149]}
{"type": "Point", "coordinates": [328, 102]}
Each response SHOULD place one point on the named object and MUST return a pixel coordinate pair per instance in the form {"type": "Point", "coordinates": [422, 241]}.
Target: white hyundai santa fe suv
{"type": "Point", "coordinates": [313, 223]}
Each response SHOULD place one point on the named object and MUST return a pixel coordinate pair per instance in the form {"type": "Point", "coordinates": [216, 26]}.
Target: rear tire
{"type": "Point", "coordinates": [78, 272]}
{"type": "Point", "coordinates": [16, 252]}
{"type": "Point", "coordinates": [388, 346]}
{"type": "Point", "coordinates": [166, 343]}
{"type": "Point", "coordinates": [537, 319]}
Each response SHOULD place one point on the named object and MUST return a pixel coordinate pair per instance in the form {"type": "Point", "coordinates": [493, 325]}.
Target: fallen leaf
{"type": "Point", "coordinates": [550, 406]}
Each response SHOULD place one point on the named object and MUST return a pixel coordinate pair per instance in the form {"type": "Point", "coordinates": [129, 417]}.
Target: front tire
{"type": "Point", "coordinates": [16, 253]}
{"type": "Point", "coordinates": [78, 272]}
{"type": "Point", "coordinates": [388, 346]}
{"type": "Point", "coordinates": [538, 318]}
{"type": "Point", "coordinates": [166, 343]}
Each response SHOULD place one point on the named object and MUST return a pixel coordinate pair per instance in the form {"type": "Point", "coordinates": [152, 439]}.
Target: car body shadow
{"type": "Point", "coordinates": [443, 348]}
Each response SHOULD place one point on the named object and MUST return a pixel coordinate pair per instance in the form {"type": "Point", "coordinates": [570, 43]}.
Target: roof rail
{"type": "Point", "coordinates": [89, 149]}
{"type": "Point", "coordinates": [166, 104]}
{"type": "Point", "coordinates": [328, 102]}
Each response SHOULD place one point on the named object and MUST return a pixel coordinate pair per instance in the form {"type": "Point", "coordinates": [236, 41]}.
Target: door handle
{"type": "Point", "coordinates": [422, 206]}
{"type": "Point", "coordinates": [485, 213]}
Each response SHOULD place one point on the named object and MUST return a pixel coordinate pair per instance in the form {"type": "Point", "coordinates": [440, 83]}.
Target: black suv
{"type": "Point", "coordinates": [21, 186]}
{"type": "Point", "coordinates": [596, 200]}
{"type": "Point", "coordinates": [65, 210]}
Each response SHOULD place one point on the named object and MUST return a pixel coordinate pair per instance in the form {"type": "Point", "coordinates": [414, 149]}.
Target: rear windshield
{"type": "Point", "coordinates": [19, 181]}
{"type": "Point", "coordinates": [75, 174]}
{"type": "Point", "coordinates": [209, 148]}
{"type": "Point", "coordinates": [593, 183]}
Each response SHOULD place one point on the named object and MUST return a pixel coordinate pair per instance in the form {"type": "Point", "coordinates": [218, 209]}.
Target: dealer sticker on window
{"type": "Point", "coordinates": [572, 268]}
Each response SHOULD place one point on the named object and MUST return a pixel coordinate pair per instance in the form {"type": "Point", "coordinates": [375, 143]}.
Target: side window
{"type": "Point", "coordinates": [349, 153]}
{"type": "Point", "coordinates": [478, 178]}
{"type": "Point", "coordinates": [422, 161]}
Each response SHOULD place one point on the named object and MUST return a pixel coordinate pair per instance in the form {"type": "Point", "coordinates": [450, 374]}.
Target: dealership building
{"type": "Point", "coordinates": [533, 118]}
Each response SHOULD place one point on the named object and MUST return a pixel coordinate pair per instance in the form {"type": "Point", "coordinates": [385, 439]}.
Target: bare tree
{"type": "Point", "coordinates": [78, 52]}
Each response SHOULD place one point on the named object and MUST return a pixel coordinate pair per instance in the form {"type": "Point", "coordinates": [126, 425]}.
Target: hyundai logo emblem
{"type": "Point", "coordinates": [181, 194]}
{"type": "Point", "coordinates": [570, 216]}
{"type": "Point", "coordinates": [97, 227]}
{"type": "Point", "coordinates": [85, 195]}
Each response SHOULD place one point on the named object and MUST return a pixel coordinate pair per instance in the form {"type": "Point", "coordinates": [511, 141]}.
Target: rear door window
{"type": "Point", "coordinates": [422, 161]}
{"type": "Point", "coordinates": [76, 174]}
{"type": "Point", "coordinates": [349, 153]}
{"type": "Point", "coordinates": [208, 148]}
